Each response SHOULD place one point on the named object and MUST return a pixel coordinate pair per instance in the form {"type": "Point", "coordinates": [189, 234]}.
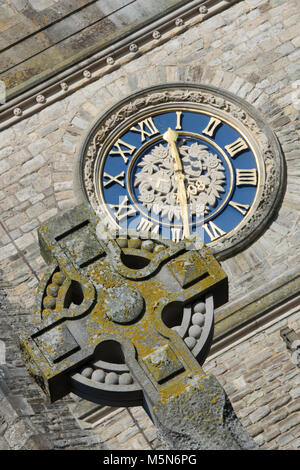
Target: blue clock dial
{"type": "Point", "coordinates": [179, 171]}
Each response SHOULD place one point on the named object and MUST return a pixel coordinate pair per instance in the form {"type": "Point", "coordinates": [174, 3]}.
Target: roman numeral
{"type": "Point", "coordinates": [176, 234]}
{"type": "Point", "coordinates": [114, 179]}
{"type": "Point", "coordinates": [178, 119]}
{"type": "Point", "coordinates": [211, 127]}
{"type": "Point", "coordinates": [146, 128]}
{"type": "Point", "coordinates": [236, 147]}
{"type": "Point", "coordinates": [248, 177]}
{"type": "Point", "coordinates": [124, 209]}
{"type": "Point", "coordinates": [213, 231]}
{"type": "Point", "coordinates": [242, 208]}
{"type": "Point", "coordinates": [121, 151]}
{"type": "Point", "coordinates": [146, 225]}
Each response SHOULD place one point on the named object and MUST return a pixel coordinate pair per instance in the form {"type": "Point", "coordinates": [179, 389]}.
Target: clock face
{"type": "Point", "coordinates": [176, 160]}
{"type": "Point", "coordinates": [138, 179]}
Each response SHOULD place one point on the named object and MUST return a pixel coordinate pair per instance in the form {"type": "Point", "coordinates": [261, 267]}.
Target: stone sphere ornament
{"type": "Point", "coordinates": [87, 74]}
{"type": "Point", "coordinates": [18, 112]}
{"type": "Point", "coordinates": [203, 9]}
{"type": "Point", "coordinates": [87, 372]}
{"type": "Point", "coordinates": [64, 86]}
{"type": "Point", "coordinates": [123, 304]}
{"type": "Point", "coordinates": [133, 48]}
{"type": "Point", "coordinates": [156, 35]}
{"type": "Point", "coordinates": [40, 99]}
{"type": "Point", "coordinates": [125, 379]}
{"type": "Point", "coordinates": [98, 375]}
{"type": "Point", "coordinates": [179, 22]}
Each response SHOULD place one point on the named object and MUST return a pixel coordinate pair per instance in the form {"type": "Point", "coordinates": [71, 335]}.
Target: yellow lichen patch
{"type": "Point", "coordinates": [174, 388]}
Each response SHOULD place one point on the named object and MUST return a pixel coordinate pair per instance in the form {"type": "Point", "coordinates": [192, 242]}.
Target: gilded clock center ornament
{"type": "Point", "coordinates": [177, 159]}
{"type": "Point", "coordinates": [204, 178]}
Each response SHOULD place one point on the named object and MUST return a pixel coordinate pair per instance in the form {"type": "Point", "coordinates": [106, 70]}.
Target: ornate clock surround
{"type": "Point", "coordinates": [223, 104]}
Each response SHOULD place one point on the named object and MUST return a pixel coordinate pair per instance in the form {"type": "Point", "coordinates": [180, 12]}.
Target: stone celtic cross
{"type": "Point", "coordinates": [126, 321]}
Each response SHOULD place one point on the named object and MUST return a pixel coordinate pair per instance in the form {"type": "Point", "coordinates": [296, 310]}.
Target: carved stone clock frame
{"type": "Point", "coordinates": [230, 108]}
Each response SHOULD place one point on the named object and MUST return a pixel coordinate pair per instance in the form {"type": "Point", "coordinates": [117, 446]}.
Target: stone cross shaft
{"type": "Point", "coordinates": [127, 321]}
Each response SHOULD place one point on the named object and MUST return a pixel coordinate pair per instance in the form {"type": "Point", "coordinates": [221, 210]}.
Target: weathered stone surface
{"type": "Point", "coordinates": [180, 425]}
{"type": "Point", "coordinates": [40, 31]}
{"type": "Point", "coordinates": [277, 251]}
{"type": "Point", "coordinates": [193, 412]}
{"type": "Point", "coordinates": [259, 414]}
{"type": "Point", "coordinates": [290, 422]}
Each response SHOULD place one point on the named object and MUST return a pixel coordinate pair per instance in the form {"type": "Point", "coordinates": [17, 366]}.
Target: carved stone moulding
{"type": "Point", "coordinates": [225, 106]}
{"type": "Point", "coordinates": [73, 78]}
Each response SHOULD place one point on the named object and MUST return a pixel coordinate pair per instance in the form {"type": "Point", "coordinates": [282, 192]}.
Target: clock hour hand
{"type": "Point", "coordinates": [171, 137]}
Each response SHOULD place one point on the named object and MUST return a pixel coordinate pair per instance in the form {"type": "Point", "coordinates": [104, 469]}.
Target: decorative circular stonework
{"type": "Point", "coordinates": [98, 378]}
{"type": "Point", "coordinates": [124, 304]}
{"type": "Point", "coordinates": [180, 159]}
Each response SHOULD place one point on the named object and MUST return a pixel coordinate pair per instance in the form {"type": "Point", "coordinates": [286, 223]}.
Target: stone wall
{"type": "Point", "coordinates": [263, 384]}
{"type": "Point", "coordinates": [251, 50]}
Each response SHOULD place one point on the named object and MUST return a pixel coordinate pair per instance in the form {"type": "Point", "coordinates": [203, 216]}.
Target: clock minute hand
{"type": "Point", "coordinates": [171, 137]}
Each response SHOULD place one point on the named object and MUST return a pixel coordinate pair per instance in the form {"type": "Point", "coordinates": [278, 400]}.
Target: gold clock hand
{"type": "Point", "coordinates": [171, 137]}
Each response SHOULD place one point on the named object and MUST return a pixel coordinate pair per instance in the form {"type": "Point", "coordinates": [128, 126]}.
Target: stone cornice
{"type": "Point", "coordinates": [109, 59]}
{"type": "Point", "coordinates": [260, 323]}
{"type": "Point", "coordinates": [238, 319]}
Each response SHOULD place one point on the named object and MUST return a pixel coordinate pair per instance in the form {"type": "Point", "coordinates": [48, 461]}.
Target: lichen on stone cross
{"type": "Point", "coordinates": [128, 320]}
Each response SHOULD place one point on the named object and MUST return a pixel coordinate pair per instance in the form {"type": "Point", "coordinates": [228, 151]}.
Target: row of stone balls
{"type": "Point", "coordinates": [195, 329]}
{"type": "Point", "coordinates": [109, 378]}
{"type": "Point", "coordinates": [49, 301]}
{"type": "Point", "coordinates": [137, 243]}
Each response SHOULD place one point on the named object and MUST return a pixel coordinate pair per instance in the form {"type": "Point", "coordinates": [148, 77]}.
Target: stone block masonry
{"type": "Point", "coordinates": [263, 384]}
{"type": "Point", "coordinates": [251, 50]}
